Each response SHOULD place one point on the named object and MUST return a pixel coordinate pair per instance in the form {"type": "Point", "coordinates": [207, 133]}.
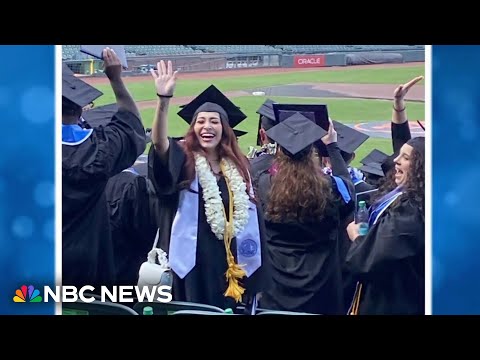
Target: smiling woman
{"type": "Point", "coordinates": [209, 224]}
{"type": "Point", "coordinates": [388, 262]}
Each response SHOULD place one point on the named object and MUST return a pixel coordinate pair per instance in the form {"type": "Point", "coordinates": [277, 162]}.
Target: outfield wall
{"type": "Point", "coordinates": [357, 58]}
{"type": "Point", "coordinates": [141, 65]}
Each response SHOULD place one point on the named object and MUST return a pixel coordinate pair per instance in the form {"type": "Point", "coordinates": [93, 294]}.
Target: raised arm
{"type": "Point", "coordinates": [113, 70]}
{"type": "Point", "coordinates": [165, 82]}
{"type": "Point", "coordinates": [400, 129]}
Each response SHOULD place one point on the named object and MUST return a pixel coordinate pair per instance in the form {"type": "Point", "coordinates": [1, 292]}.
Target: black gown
{"type": "Point", "coordinates": [306, 257]}
{"type": "Point", "coordinates": [87, 252]}
{"type": "Point", "coordinates": [258, 165]}
{"type": "Point", "coordinates": [400, 235]}
{"type": "Point", "coordinates": [206, 282]}
{"type": "Point", "coordinates": [133, 231]}
{"type": "Point", "coordinates": [400, 134]}
{"type": "Point", "coordinates": [390, 263]}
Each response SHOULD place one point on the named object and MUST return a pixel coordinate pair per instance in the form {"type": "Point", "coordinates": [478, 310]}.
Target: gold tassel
{"type": "Point", "coordinates": [356, 300]}
{"type": "Point", "coordinates": [234, 272]}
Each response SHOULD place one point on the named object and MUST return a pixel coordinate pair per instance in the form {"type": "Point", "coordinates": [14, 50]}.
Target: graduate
{"type": "Point", "coordinates": [266, 121]}
{"type": "Point", "coordinates": [129, 198]}
{"type": "Point", "coordinates": [389, 262]}
{"type": "Point", "coordinates": [90, 157]}
{"type": "Point", "coordinates": [303, 211]}
{"type": "Point", "coordinates": [261, 160]}
{"type": "Point", "coordinates": [349, 140]}
{"type": "Point", "coordinates": [210, 226]}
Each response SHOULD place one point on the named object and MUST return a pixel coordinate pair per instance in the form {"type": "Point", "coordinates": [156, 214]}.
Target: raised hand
{"type": "Point", "coordinates": [399, 114]}
{"type": "Point", "coordinates": [165, 78]}
{"type": "Point", "coordinates": [402, 90]}
{"type": "Point", "coordinates": [111, 64]}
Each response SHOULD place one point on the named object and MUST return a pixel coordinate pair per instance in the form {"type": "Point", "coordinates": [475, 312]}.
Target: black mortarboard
{"type": "Point", "coordinates": [376, 163]}
{"type": "Point", "coordinates": [239, 133]}
{"type": "Point", "coordinates": [266, 109]}
{"type": "Point", "coordinates": [296, 134]}
{"type": "Point", "coordinates": [375, 156]}
{"type": "Point", "coordinates": [317, 113]}
{"type": "Point", "coordinates": [348, 139]}
{"type": "Point", "coordinates": [266, 119]}
{"type": "Point", "coordinates": [97, 51]}
{"type": "Point", "coordinates": [76, 90]}
{"type": "Point", "coordinates": [212, 100]}
{"type": "Point", "coordinates": [372, 168]}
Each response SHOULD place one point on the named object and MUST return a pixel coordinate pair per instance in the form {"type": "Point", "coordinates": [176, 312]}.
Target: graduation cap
{"type": "Point", "coordinates": [76, 90]}
{"type": "Point", "coordinates": [97, 52]}
{"type": "Point", "coordinates": [296, 134]}
{"type": "Point", "coordinates": [348, 139]}
{"type": "Point", "coordinates": [376, 163]}
{"type": "Point", "coordinates": [316, 113]}
{"type": "Point", "coordinates": [373, 169]}
{"type": "Point", "coordinates": [212, 100]}
{"type": "Point", "coordinates": [239, 133]}
{"type": "Point", "coordinates": [266, 119]}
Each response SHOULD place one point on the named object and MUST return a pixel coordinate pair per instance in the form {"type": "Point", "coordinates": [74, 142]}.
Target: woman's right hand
{"type": "Point", "coordinates": [165, 78]}
{"type": "Point", "coordinates": [402, 90]}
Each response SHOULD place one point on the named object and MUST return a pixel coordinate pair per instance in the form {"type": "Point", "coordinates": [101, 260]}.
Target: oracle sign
{"type": "Point", "coordinates": [308, 60]}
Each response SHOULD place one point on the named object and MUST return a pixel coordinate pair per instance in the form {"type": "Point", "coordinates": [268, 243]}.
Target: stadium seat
{"type": "Point", "coordinates": [198, 312]}
{"type": "Point", "coordinates": [173, 306]}
{"type": "Point", "coordinates": [96, 308]}
{"type": "Point", "coordinates": [275, 312]}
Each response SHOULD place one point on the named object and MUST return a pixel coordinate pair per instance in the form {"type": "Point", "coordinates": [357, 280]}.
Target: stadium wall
{"type": "Point", "coordinates": [141, 65]}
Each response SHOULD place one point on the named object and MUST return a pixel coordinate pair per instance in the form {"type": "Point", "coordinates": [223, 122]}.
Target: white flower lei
{"type": "Point", "coordinates": [213, 200]}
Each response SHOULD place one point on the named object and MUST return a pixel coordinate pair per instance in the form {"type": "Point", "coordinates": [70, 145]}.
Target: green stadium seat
{"type": "Point", "coordinates": [169, 308]}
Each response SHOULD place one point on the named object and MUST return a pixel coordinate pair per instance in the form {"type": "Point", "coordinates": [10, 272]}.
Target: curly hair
{"type": "Point", "coordinates": [300, 192]}
{"type": "Point", "coordinates": [414, 188]}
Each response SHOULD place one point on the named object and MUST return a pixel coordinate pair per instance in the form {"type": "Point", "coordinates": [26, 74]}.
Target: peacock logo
{"type": "Point", "coordinates": [27, 294]}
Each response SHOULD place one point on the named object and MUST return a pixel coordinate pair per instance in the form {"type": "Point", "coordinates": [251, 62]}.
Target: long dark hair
{"type": "Point", "coordinates": [299, 192]}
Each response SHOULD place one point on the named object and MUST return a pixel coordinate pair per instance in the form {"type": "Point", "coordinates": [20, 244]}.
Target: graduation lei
{"type": "Point", "coordinates": [223, 228]}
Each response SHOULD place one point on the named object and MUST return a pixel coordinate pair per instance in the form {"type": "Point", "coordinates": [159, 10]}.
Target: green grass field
{"type": "Point", "coordinates": [349, 111]}
{"type": "Point", "coordinates": [145, 90]}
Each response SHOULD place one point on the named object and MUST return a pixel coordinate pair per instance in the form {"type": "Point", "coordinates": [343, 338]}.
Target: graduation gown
{"type": "Point", "coordinates": [390, 262]}
{"type": "Point", "coordinates": [133, 231]}
{"type": "Point", "coordinates": [87, 251]}
{"type": "Point", "coordinates": [259, 165]}
{"type": "Point", "coordinates": [206, 282]}
{"type": "Point", "coordinates": [306, 264]}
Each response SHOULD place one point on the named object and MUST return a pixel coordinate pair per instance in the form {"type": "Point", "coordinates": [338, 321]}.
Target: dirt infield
{"type": "Point", "coordinates": [359, 91]}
